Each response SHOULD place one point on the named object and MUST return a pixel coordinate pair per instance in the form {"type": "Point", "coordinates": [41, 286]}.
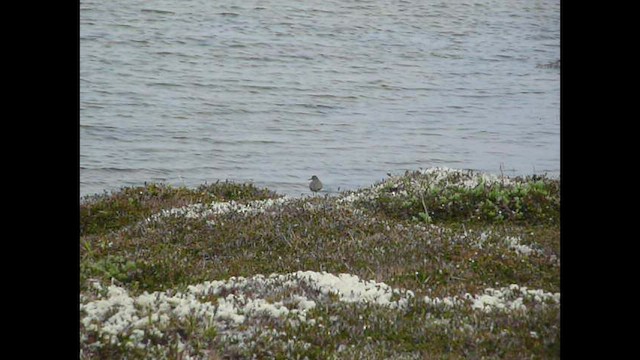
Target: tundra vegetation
{"type": "Point", "coordinates": [435, 263]}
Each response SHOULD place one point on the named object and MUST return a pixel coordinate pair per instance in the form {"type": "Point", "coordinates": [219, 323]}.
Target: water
{"type": "Point", "coordinates": [274, 91]}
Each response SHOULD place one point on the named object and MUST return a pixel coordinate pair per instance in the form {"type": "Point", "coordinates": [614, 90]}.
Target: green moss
{"type": "Point", "coordinates": [531, 200]}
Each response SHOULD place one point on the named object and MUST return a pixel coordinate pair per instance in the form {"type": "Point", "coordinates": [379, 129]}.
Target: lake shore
{"type": "Point", "coordinates": [437, 262]}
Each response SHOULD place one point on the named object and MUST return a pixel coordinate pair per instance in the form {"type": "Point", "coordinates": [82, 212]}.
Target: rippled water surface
{"type": "Point", "coordinates": [274, 91]}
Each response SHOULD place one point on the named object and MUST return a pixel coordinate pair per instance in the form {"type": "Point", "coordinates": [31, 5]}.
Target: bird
{"type": "Point", "coordinates": [315, 185]}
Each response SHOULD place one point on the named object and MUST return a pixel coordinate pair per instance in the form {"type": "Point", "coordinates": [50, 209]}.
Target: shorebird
{"type": "Point", "coordinates": [315, 185]}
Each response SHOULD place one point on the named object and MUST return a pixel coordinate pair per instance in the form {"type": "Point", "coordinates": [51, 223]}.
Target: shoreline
{"type": "Point", "coordinates": [303, 188]}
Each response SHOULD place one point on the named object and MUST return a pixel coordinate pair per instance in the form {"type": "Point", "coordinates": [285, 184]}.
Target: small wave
{"type": "Point", "coordinates": [551, 65]}
{"type": "Point", "coordinates": [260, 87]}
{"type": "Point", "coordinates": [113, 169]}
{"type": "Point", "coordinates": [164, 84]}
{"type": "Point", "coordinates": [157, 11]}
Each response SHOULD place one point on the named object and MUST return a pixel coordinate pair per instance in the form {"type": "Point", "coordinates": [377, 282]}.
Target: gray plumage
{"type": "Point", "coordinates": [315, 185]}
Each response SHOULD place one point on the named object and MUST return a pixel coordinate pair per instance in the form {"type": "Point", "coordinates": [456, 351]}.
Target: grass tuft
{"type": "Point", "coordinates": [100, 214]}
